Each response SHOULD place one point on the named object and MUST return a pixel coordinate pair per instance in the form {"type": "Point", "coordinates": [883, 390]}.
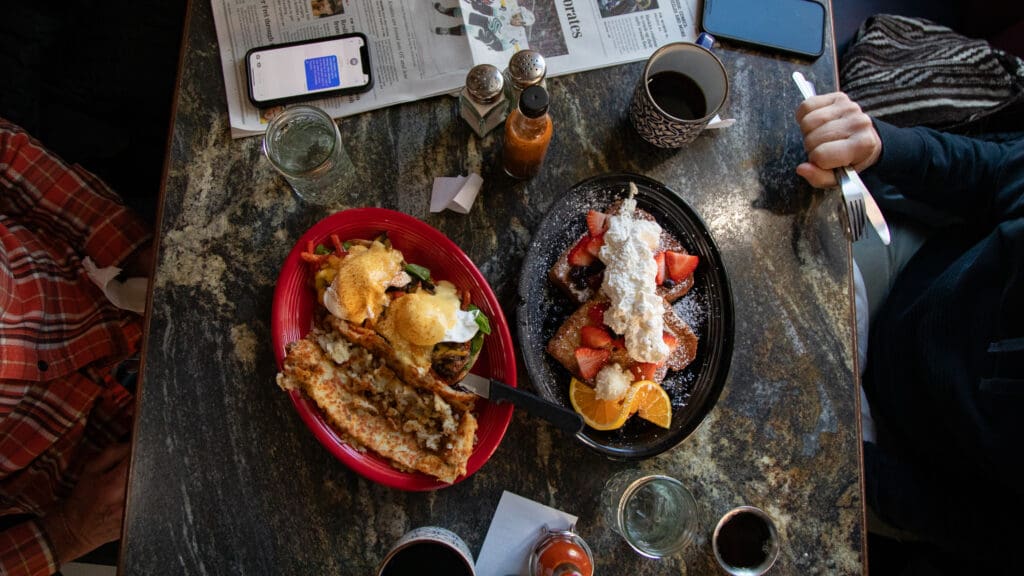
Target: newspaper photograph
{"type": "Point", "coordinates": [574, 35]}
{"type": "Point", "coordinates": [419, 49]}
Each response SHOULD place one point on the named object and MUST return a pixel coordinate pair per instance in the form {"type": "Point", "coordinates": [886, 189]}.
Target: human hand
{"type": "Point", "coordinates": [836, 134]}
{"type": "Point", "coordinates": [91, 516]}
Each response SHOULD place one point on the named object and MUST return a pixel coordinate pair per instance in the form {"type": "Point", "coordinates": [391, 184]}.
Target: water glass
{"type": "Point", "coordinates": [655, 514]}
{"type": "Point", "coordinates": [304, 145]}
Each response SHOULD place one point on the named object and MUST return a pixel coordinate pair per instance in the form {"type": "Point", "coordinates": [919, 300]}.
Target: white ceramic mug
{"type": "Point", "coordinates": [683, 86]}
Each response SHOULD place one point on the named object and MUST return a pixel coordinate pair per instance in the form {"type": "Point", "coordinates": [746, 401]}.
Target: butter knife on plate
{"type": "Point", "coordinates": [497, 391]}
{"type": "Point", "coordinates": [871, 208]}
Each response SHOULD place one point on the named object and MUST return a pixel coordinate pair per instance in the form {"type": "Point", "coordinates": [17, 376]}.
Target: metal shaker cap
{"type": "Point", "coordinates": [526, 68]}
{"type": "Point", "coordinates": [484, 83]}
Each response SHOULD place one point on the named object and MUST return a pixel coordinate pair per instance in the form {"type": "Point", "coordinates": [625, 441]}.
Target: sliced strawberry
{"type": "Point", "coordinates": [597, 222]}
{"type": "Point", "coordinates": [591, 360]}
{"type": "Point", "coordinates": [595, 337]}
{"type": "Point", "coordinates": [670, 341]}
{"type": "Point", "coordinates": [578, 255]}
{"type": "Point", "coordinates": [594, 245]}
{"type": "Point", "coordinates": [619, 342]}
{"type": "Point", "coordinates": [659, 259]}
{"type": "Point", "coordinates": [596, 313]}
{"type": "Point", "coordinates": [680, 266]}
{"type": "Point", "coordinates": [644, 370]}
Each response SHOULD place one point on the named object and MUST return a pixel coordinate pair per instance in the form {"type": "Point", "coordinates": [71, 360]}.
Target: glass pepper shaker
{"type": "Point", "coordinates": [526, 68]}
{"type": "Point", "coordinates": [482, 101]}
{"type": "Point", "coordinates": [561, 553]}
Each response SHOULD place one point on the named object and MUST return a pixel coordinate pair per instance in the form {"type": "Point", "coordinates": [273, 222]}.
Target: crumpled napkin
{"type": "Point", "coordinates": [455, 193]}
{"type": "Point", "coordinates": [127, 295]}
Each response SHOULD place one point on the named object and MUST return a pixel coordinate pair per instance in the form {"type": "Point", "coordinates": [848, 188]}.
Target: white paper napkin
{"type": "Point", "coordinates": [718, 122]}
{"type": "Point", "coordinates": [514, 529]}
{"type": "Point", "coordinates": [127, 295]}
{"type": "Point", "coordinates": [455, 193]}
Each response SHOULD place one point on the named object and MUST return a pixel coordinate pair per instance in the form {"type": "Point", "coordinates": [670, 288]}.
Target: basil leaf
{"type": "Point", "coordinates": [418, 271]}
{"type": "Point", "coordinates": [346, 245]}
{"type": "Point", "coordinates": [481, 321]}
{"type": "Point", "coordinates": [321, 250]}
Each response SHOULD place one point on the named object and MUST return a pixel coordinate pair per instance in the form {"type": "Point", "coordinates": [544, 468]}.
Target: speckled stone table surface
{"type": "Point", "coordinates": [226, 479]}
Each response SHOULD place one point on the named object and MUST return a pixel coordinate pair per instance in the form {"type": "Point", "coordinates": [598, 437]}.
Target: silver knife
{"type": "Point", "coordinates": [874, 214]}
{"type": "Point", "coordinates": [496, 391]}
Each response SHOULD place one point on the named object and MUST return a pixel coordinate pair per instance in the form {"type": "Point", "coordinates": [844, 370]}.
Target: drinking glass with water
{"type": "Point", "coordinates": [656, 514]}
{"type": "Point", "coordinates": [304, 145]}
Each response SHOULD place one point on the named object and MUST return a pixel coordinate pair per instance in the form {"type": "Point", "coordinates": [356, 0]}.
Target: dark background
{"type": "Point", "coordinates": [94, 81]}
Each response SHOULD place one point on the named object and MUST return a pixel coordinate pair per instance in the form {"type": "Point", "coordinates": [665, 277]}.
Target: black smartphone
{"type": "Point", "coordinates": [308, 69]}
{"type": "Point", "coordinates": [794, 27]}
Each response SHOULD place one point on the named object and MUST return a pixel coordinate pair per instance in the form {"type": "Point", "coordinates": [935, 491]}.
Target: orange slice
{"type": "Point", "coordinates": [598, 414]}
{"type": "Point", "coordinates": [651, 401]}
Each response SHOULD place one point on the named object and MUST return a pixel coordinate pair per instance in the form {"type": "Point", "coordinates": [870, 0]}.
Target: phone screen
{"type": "Point", "coordinates": [300, 69]}
{"type": "Point", "coordinates": [796, 26]}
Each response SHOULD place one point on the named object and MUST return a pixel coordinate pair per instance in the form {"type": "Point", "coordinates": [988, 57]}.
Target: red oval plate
{"type": "Point", "coordinates": [292, 318]}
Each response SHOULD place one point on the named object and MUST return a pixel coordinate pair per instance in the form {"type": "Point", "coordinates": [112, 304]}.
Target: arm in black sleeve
{"type": "Point", "coordinates": [960, 176]}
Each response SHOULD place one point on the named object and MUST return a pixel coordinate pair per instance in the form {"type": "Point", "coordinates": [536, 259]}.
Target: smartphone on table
{"type": "Point", "coordinates": [794, 27]}
{"type": "Point", "coordinates": [308, 69]}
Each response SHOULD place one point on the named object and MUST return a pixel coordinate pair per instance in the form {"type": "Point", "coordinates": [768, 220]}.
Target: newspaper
{"type": "Point", "coordinates": [420, 49]}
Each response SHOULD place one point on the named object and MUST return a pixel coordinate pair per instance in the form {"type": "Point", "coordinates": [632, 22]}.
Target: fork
{"type": "Point", "coordinates": [853, 197]}
{"type": "Point", "coordinates": [854, 200]}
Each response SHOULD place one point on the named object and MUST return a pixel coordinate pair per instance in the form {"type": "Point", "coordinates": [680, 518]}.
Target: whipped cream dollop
{"type": "Point", "coordinates": [636, 309]}
{"type": "Point", "coordinates": [612, 382]}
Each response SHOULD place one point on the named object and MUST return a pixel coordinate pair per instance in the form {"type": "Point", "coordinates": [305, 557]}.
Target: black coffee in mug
{"type": "Point", "coordinates": [678, 95]}
{"type": "Point", "coordinates": [426, 559]}
{"type": "Point", "coordinates": [744, 541]}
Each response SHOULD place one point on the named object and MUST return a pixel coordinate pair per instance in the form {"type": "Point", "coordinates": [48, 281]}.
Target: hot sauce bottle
{"type": "Point", "coordinates": [527, 134]}
{"type": "Point", "coordinates": [561, 553]}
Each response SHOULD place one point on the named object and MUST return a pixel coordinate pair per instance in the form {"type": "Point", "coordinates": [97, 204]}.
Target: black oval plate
{"type": "Point", "coordinates": [708, 308]}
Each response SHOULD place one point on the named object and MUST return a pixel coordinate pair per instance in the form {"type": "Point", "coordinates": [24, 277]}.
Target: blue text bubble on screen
{"type": "Point", "coordinates": [322, 72]}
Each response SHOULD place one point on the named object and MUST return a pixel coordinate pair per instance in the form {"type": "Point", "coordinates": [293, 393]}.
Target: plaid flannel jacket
{"type": "Point", "coordinates": [59, 337]}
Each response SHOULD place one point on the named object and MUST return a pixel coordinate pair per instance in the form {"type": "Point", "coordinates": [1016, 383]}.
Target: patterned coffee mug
{"type": "Point", "coordinates": [683, 86]}
{"type": "Point", "coordinates": [428, 549]}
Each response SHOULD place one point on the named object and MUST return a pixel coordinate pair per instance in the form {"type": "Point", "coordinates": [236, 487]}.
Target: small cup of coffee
{"type": "Point", "coordinates": [428, 549]}
{"type": "Point", "coordinates": [746, 542]}
{"type": "Point", "coordinates": [683, 86]}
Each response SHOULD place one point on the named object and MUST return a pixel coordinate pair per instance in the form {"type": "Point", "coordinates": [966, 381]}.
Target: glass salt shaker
{"type": "Point", "coordinates": [561, 553]}
{"type": "Point", "coordinates": [482, 101]}
{"type": "Point", "coordinates": [526, 68]}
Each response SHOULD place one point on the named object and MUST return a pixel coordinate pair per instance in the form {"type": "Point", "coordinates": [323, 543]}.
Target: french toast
{"type": "Point", "coordinates": [624, 337]}
{"type": "Point", "coordinates": [569, 338]}
{"type": "Point", "coordinates": [580, 283]}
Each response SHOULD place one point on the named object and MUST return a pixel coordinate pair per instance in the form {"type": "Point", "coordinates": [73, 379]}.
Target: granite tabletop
{"type": "Point", "coordinates": [225, 477]}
